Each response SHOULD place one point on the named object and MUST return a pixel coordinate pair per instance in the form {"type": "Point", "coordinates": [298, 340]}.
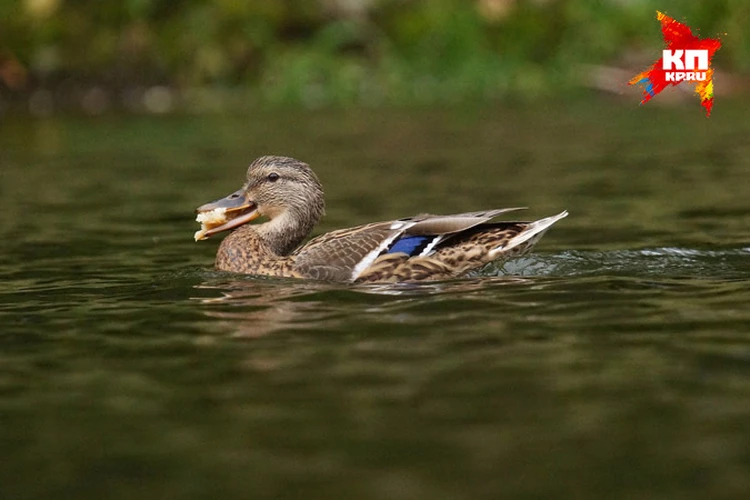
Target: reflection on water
{"type": "Point", "coordinates": [258, 306]}
{"type": "Point", "coordinates": [258, 309]}
{"type": "Point", "coordinates": [610, 363]}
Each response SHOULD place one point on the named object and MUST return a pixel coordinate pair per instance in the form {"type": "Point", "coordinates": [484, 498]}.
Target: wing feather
{"type": "Point", "coordinates": [346, 254]}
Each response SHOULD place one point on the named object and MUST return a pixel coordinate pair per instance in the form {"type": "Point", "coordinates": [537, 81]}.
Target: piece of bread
{"type": "Point", "coordinates": [209, 220]}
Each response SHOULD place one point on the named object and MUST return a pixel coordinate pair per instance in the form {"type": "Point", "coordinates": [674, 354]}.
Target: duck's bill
{"type": "Point", "coordinates": [224, 214]}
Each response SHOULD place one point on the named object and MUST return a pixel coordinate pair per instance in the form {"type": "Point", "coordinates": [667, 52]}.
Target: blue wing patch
{"type": "Point", "coordinates": [411, 245]}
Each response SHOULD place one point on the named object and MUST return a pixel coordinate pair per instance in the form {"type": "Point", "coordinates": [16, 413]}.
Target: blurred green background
{"type": "Point", "coordinates": [159, 55]}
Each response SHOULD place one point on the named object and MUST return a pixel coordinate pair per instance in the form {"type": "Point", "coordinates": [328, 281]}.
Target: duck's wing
{"type": "Point", "coordinates": [457, 253]}
{"type": "Point", "coordinates": [345, 254]}
{"type": "Point", "coordinates": [333, 256]}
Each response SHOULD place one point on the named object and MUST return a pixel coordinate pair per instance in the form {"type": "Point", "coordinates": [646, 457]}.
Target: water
{"type": "Point", "coordinates": [613, 362]}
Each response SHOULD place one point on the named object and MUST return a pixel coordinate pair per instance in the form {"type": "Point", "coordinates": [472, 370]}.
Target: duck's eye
{"type": "Point", "coordinates": [273, 177]}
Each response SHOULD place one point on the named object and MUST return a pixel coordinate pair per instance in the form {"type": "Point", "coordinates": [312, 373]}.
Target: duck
{"type": "Point", "coordinates": [287, 193]}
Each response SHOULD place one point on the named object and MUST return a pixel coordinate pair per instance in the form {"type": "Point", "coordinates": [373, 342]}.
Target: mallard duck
{"type": "Point", "coordinates": [288, 193]}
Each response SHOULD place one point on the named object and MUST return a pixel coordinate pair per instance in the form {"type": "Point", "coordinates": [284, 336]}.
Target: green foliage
{"type": "Point", "coordinates": [319, 53]}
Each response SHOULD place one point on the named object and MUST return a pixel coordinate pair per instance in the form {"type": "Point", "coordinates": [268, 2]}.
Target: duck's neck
{"type": "Point", "coordinates": [285, 232]}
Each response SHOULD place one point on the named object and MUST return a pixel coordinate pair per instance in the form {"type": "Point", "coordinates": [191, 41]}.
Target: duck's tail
{"type": "Point", "coordinates": [526, 239]}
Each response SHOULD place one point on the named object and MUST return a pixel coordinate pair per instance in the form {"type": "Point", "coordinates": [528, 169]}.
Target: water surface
{"type": "Point", "coordinates": [612, 362]}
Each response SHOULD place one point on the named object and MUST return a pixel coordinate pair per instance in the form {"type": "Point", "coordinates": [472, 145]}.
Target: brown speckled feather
{"type": "Point", "coordinates": [333, 256]}
{"type": "Point", "coordinates": [244, 251]}
{"type": "Point", "coordinates": [395, 267]}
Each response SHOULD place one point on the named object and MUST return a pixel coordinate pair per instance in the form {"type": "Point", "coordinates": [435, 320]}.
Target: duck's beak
{"type": "Point", "coordinates": [226, 213]}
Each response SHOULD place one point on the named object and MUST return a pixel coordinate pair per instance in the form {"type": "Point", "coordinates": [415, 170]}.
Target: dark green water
{"type": "Point", "coordinates": [614, 363]}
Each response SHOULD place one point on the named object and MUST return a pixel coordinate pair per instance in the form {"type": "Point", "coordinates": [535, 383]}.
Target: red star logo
{"type": "Point", "coordinates": [681, 42]}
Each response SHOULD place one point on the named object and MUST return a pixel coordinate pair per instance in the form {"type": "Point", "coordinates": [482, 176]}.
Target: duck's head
{"type": "Point", "coordinates": [283, 189]}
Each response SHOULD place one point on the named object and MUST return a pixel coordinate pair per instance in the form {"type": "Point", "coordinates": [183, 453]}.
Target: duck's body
{"type": "Point", "coordinates": [425, 247]}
